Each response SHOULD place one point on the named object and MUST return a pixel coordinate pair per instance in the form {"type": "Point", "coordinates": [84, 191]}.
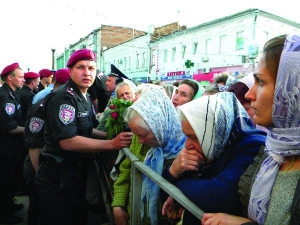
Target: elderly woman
{"type": "Point", "coordinates": [157, 140]}
{"type": "Point", "coordinates": [275, 191]}
{"type": "Point", "coordinates": [124, 90]}
{"type": "Point", "coordinates": [221, 143]}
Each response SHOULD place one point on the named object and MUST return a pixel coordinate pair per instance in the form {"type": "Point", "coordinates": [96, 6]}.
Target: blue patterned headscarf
{"type": "Point", "coordinates": [155, 107]}
{"type": "Point", "coordinates": [284, 137]}
{"type": "Point", "coordinates": [218, 121]}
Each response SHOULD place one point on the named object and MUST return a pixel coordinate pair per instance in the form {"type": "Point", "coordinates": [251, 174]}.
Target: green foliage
{"type": "Point", "coordinates": [115, 121]}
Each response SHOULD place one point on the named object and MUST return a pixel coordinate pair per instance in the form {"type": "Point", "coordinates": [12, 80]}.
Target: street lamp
{"type": "Point", "coordinates": [53, 51]}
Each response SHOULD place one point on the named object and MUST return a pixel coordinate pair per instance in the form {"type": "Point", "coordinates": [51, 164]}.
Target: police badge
{"type": "Point", "coordinates": [66, 114]}
{"type": "Point", "coordinates": [36, 125]}
{"type": "Point", "coordinates": [10, 108]}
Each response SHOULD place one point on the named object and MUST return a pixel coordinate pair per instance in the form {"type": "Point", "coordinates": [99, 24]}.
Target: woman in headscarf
{"type": "Point", "coordinates": [156, 126]}
{"type": "Point", "coordinates": [221, 143]}
{"type": "Point", "coordinates": [188, 89]}
{"type": "Point", "coordinates": [275, 97]}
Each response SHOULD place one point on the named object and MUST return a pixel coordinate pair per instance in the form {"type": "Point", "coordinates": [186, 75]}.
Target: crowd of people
{"type": "Point", "coordinates": [232, 148]}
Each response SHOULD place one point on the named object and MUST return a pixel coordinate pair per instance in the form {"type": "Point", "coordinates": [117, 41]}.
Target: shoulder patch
{"type": "Point", "coordinates": [10, 108]}
{"type": "Point", "coordinates": [66, 114]}
{"type": "Point", "coordinates": [36, 125]}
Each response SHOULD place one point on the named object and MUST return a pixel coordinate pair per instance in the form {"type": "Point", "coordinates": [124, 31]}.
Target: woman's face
{"type": "Point", "coordinates": [183, 94]}
{"type": "Point", "coordinates": [192, 141]}
{"type": "Point", "coordinates": [125, 93]}
{"type": "Point", "coordinates": [261, 95]}
{"type": "Point", "coordinates": [144, 136]}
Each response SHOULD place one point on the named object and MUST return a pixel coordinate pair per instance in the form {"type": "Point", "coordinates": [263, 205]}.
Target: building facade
{"type": "Point", "coordinates": [173, 52]}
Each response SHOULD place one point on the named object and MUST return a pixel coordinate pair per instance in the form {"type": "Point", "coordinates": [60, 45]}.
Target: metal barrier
{"type": "Point", "coordinates": [136, 186]}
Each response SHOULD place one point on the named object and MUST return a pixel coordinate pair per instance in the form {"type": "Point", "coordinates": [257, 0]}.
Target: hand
{"type": "Point", "coordinates": [122, 140]}
{"type": "Point", "coordinates": [222, 219]}
{"type": "Point", "coordinates": [171, 209]}
{"type": "Point", "coordinates": [187, 160]}
{"type": "Point", "coordinates": [121, 217]}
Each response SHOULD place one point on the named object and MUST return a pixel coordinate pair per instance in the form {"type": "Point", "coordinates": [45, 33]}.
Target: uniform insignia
{"type": "Point", "coordinates": [11, 95]}
{"type": "Point", "coordinates": [83, 114]}
{"type": "Point", "coordinates": [10, 108]}
{"type": "Point", "coordinates": [36, 125]}
{"type": "Point", "coordinates": [70, 91]}
{"type": "Point", "coordinates": [66, 114]}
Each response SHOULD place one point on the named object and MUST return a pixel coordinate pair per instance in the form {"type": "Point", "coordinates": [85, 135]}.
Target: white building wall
{"type": "Point", "coordinates": [126, 55]}
{"type": "Point", "coordinates": [255, 31]}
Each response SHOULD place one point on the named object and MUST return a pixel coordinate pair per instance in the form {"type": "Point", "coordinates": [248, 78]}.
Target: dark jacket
{"type": "Point", "coordinates": [215, 188]}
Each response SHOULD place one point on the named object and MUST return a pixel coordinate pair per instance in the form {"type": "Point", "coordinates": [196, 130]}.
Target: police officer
{"type": "Point", "coordinates": [27, 92]}
{"type": "Point", "coordinates": [46, 78]}
{"type": "Point", "coordinates": [34, 140]}
{"type": "Point", "coordinates": [68, 131]}
{"type": "Point", "coordinates": [98, 93]}
{"type": "Point", "coordinates": [113, 79]}
{"type": "Point", "coordinates": [11, 141]}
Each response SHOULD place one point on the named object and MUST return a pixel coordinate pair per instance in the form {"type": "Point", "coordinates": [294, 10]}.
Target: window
{"type": "Point", "coordinates": [165, 55]}
{"type": "Point", "coordinates": [144, 59]}
{"type": "Point", "coordinates": [129, 62]}
{"type": "Point", "coordinates": [208, 46]}
{"type": "Point", "coordinates": [137, 60]}
{"type": "Point", "coordinates": [125, 63]}
{"type": "Point", "coordinates": [195, 45]}
{"type": "Point", "coordinates": [173, 53]}
{"type": "Point", "coordinates": [183, 51]}
{"type": "Point", "coordinates": [153, 57]}
{"type": "Point", "coordinates": [223, 44]}
{"type": "Point", "coordinates": [240, 40]}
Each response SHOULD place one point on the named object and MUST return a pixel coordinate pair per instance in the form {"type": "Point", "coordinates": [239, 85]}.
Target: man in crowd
{"type": "Point", "coordinates": [98, 93]}
{"type": "Point", "coordinates": [68, 132]}
{"type": "Point", "coordinates": [113, 79]}
{"type": "Point", "coordinates": [27, 92]}
{"type": "Point", "coordinates": [11, 142]}
{"type": "Point", "coordinates": [46, 77]}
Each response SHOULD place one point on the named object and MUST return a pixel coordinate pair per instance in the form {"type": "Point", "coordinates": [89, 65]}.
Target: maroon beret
{"type": "Point", "coordinates": [62, 75]}
{"type": "Point", "coordinates": [82, 54]}
{"type": "Point", "coordinates": [31, 75]}
{"type": "Point", "coordinates": [45, 73]}
{"type": "Point", "coordinates": [9, 68]}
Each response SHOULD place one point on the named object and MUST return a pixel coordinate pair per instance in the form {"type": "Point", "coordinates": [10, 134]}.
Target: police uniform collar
{"type": "Point", "coordinates": [72, 89]}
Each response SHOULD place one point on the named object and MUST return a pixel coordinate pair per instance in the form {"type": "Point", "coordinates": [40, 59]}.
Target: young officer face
{"type": "Point", "coordinates": [83, 73]}
{"type": "Point", "coordinates": [261, 95]}
{"type": "Point", "coordinates": [17, 80]}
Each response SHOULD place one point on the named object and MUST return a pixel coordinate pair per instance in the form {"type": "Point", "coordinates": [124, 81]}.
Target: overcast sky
{"type": "Point", "coordinates": [30, 28]}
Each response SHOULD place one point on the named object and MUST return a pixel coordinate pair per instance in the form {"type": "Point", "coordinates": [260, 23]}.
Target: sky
{"type": "Point", "coordinates": [29, 29]}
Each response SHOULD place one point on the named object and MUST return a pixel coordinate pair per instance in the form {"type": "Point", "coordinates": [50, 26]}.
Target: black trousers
{"type": "Point", "coordinates": [9, 170]}
{"type": "Point", "coordinates": [61, 194]}
{"type": "Point", "coordinates": [33, 208]}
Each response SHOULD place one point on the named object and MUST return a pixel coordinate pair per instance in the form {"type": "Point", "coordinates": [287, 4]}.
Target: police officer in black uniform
{"type": "Point", "coordinates": [27, 92]}
{"type": "Point", "coordinates": [34, 140]}
{"type": "Point", "coordinates": [68, 131]}
{"type": "Point", "coordinates": [11, 141]}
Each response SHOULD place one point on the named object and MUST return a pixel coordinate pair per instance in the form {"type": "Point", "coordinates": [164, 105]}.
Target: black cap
{"type": "Point", "coordinates": [114, 71]}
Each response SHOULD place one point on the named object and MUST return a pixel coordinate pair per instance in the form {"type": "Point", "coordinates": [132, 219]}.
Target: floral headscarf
{"type": "Point", "coordinates": [284, 137]}
{"type": "Point", "coordinates": [154, 106]}
{"type": "Point", "coordinates": [218, 121]}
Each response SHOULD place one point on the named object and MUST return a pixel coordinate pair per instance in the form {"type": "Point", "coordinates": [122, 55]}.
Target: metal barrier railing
{"type": "Point", "coordinates": [136, 186]}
